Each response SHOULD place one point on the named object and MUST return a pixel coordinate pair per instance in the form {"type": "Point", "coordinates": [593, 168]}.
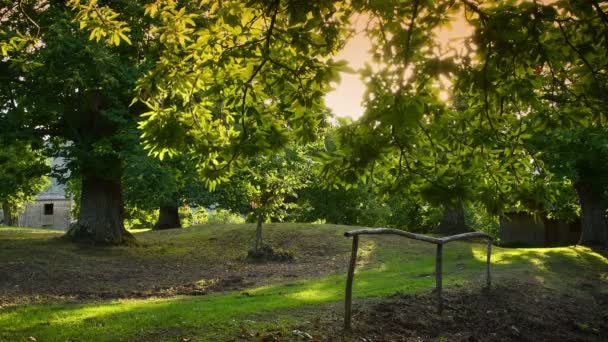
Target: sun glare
{"type": "Point", "coordinates": [346, 98]}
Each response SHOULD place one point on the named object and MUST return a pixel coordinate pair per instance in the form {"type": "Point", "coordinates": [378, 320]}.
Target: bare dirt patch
{"type": "Point", "coordinates": [42, 268]}
{"type": "Point", "coordinates": [512, 312]}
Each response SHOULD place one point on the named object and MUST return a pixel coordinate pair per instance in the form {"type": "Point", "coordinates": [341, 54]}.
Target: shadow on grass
{"type": "Point", "coordinates": [387, 270]}
{"type": "Point", "coordinates": [387, 266]}
{"type": "Point", "coordinates": [568, 263]}
{"type": "Point", "coordinates": [408, 271]}
{"type": "Point", "coordinates": [41, 268]}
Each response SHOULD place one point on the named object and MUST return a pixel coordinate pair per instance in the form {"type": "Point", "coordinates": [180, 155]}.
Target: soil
{"type": "Point", "coordinates": [165, 263]}
{"type": "Point", "coordinates": [268, 254]}
{"type": "Point", "coordinates": [513, 312]}
{"type": "Point", "coordinates": [169, 263]}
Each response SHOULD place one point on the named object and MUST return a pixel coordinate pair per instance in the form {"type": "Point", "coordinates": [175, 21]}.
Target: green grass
{"type": "Point", "coordinates": [387, 266]}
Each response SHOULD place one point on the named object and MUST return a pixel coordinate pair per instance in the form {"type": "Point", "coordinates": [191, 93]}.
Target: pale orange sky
{"type": "Point", "coordinates": [346, 99]}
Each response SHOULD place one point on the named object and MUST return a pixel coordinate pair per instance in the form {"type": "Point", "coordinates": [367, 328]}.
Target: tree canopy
{"type": "Point", "coordinates": [219, 82]}
{"type": "Point", "coordinates": [225, 82]}
{"type": "Point", "coordinates": [22, 176]}
{"type": "Point", "coordinates": [528, 69]}
{"type": "Point", "coordinates": [232, 78]}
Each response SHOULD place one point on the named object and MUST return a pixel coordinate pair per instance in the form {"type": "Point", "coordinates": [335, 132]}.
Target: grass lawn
{"type": "Point", "coordinates": [55, 291]}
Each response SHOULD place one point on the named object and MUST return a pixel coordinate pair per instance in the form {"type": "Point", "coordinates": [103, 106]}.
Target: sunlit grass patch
{"type": "Point", "coordinates": [26, 232]}
{"type": "Point", "coordinates": [387, 265]}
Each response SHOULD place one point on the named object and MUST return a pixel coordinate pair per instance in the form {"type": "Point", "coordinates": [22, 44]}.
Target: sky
{"type": "Point", "coordinates": [345, 100]}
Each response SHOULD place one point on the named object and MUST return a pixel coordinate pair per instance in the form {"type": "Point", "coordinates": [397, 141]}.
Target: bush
{"type": "Point", "coordinates": [221, 216]}
{"type": "Point", "coordinates": [136, 218]}
{"type": "Point", "coordinates": [200, 215]}
{"type": "Point", "coordinates": [414, 217]}
{"type": "Point", "coordinates": [477, 217]}
{"type": "Point", "coordinates": [185, 215]}
{"type": "Point", "coordinates": [190, 216]}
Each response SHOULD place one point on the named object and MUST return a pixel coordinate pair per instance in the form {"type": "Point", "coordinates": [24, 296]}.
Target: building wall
{"type": "Point", "coordinates": [561, 233]}
{"type": "Point", "coordinates": [521, 228]}
{"type": "Point", "coordinates": [34, 215]}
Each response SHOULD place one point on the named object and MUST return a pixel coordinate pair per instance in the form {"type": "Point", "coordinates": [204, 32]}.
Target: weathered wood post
{"type": "Point", "coordinates": [349, 283]}
{"type": "Point", "coordinates": [439, 277]}
{"type": "Point", "coordinates": [488, 263]}
{"type": "Point", "coordinates": [438, 261]}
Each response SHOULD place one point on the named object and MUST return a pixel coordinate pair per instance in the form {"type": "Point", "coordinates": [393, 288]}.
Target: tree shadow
{"type": "Point", "coordinates": [387, 266]}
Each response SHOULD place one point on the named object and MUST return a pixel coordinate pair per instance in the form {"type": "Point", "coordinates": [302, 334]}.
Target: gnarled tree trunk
{"type": "Point", "coordinates": [594, 226]}
{"type": "Point", "coordinates": [101, 213]}
{"type": "Point", "coordinates": [258, 233]}
{"type": "Point", "coordinates": [10, 218]}
{"type": "Point", "coordinates": [168, 218]}
{"type": "Point", "coordinates": [452, 221]}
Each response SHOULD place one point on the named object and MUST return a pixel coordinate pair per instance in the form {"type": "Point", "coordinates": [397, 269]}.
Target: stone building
{"type": "Point", "coordinates": [523, 229]}
{"type": "Point", "coordinates": [50, 209]}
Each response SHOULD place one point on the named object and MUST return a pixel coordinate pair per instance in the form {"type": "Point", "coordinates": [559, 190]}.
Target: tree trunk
{"type": "Point", "coordinates": [9, 214]}
{"type": "Point", "coordinates": [168, 218]}
{"type": "Point", "coordinates": [594, 226]}
{"type": "Point", "coordinates": [452, 221]}
{"type": "Point", "coordinates": [101, 213]}
{"type": "Point", "coordinates": [258, 233]}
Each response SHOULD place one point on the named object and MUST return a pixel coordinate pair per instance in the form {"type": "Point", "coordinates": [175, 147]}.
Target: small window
{"type": "Point", "coordinates": [48, 209]}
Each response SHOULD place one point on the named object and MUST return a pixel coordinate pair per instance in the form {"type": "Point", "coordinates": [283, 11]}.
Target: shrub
{"type": "Point", "coordinates": [224, 216]}
{"type": "Point", "coordinates": [199, 215]}
{"type": "Point", "coordinates": [478, 218]}
{"type": "Point", "coordinates": [136, 218]}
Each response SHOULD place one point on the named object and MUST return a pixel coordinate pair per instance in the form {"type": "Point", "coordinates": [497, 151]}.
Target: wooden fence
{"type": "Point", "coordinates": [438, 261]}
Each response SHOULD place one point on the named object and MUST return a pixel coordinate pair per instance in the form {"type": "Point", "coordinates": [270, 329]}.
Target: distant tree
{"type": "Point", "coordinates": [23, 175]}
{"type": "Point", "coordinates": [581, 156]}
{"type": "Point", "coordinates": [266, 188]}
{"type": "Point", "coordinates": [358, 205]}
{"type": "Point", "coordinates": [164, 185]}
{"type": "Point", "coordinates": [272, 187]}
{"type": "Point", "coordinates": [75, 94]}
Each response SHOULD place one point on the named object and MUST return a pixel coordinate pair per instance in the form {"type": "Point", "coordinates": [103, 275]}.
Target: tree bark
{"type": "Point", "coordinates": [594, 225]}
{"type": "Point", "coordinates": [9, 215]}
{"type": "Point", "coordinates": [452, 221]}
{"type": "Point", "coordinates": [258, 233]}
{"type": "Point", "coordinates": [101, 213]}
{"type": "Point", "coordinates": [168, 218]}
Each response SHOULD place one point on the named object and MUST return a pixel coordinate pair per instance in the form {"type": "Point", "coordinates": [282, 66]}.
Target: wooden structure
{"type": "Point", "coordinates": [438, 261]}
{"type": "Point", "coordinates": [523, 229]}
{"type": "Point", "coordinates": [51, 208]}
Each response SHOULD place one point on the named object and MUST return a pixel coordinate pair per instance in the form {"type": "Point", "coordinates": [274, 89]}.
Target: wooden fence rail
{"type": "Point", "coordinates": [438, 261]}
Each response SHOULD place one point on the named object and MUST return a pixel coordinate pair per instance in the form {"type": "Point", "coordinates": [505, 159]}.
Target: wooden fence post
{"type": "Point", "coordinates": [488, 275]}
{"type": "Point", "coordinates": [349, 284]}
{"type": "Point", "coordinates": [438, 262]}
{"type": "Point", "coordinates": [439, 277]}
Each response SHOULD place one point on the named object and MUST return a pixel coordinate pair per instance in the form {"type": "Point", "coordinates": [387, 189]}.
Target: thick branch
{"type": "Point", "coordinates": [567, 39]}
{"type": "Point", "coordinates": [473, 7]}
{"type": "Point", "coordinates": [599, 10]}
{"type": "Point", "coordinates": [390, 231]}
